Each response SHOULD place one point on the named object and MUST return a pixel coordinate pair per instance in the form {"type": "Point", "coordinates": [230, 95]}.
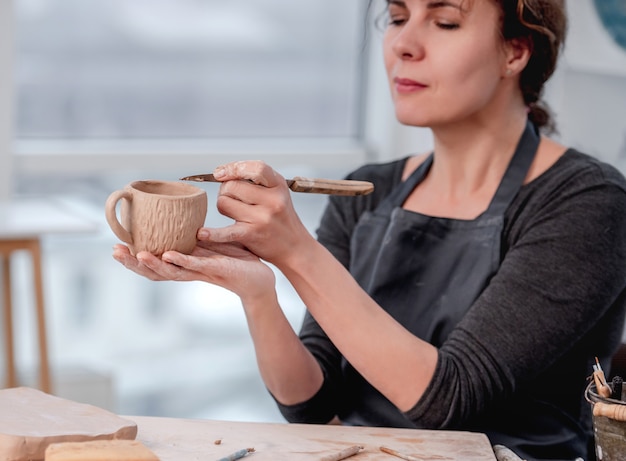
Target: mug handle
{"type": "Point", "coordinates": [111, 215]}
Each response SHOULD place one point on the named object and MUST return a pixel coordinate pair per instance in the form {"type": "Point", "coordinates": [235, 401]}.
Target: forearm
{"type": "Point", "coordinates": [288, 369]}
{"type": "Point", "coordinates": [393, 360]}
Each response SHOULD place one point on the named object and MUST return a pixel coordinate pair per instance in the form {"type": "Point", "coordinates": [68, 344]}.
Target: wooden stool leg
{"type": "Point", "coordinates": [44, 366]}
{"type": "Point", "coordinates": [11, 378]}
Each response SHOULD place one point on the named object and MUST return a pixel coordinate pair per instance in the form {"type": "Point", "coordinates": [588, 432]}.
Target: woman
{"type": "Point", "coordinates": [473, 289]}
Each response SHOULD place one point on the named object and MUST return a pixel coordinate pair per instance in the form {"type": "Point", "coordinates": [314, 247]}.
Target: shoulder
{"type": "Point", "coordinates": [576, 188]}
{"type": "Point", "coordinates": [385, 177]}
{"type": "Point", "coordinates": [574, 173]}
{"type": "Point", "coordinates": [580, 170]}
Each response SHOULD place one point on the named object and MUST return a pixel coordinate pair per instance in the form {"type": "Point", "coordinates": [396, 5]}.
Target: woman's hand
{"type": "Point", "coordinates": [287, 367]}
{"type": "Point", "coordinates": [257, 198]}
{"type": "Point", "coordinates": [227, 265]}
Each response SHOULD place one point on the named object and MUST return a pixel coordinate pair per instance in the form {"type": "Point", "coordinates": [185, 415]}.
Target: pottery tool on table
{"type": "Point", "coordinates": [397, 454]}
{"type": "Point", "coordinates": [343, 454]}
{"type": "Point", "coordinates": [310, 185]}
{"type": "Point", "coordinates": [237, 455]}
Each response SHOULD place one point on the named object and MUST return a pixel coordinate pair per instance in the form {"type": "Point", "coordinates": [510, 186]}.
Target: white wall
{"type": "Point", "coordinates": [589, 94]}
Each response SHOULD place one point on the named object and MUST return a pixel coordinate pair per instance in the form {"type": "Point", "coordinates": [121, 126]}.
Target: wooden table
{"type": "Point", "coordinates": [22, 224]}
{"type": "Point", "coordinates": [173, 439]}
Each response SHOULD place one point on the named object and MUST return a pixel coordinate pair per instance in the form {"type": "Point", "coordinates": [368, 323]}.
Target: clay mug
{"type": "Point", "coordinates": [157, 216]}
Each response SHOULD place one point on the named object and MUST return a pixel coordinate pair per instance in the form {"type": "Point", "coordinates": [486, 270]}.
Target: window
{"type": "Point", "coordinates": [109, 91]}
{"type": "Point", "coordinates": [146, 76]}
{"type": "Point", "coordinates": [187, 68]}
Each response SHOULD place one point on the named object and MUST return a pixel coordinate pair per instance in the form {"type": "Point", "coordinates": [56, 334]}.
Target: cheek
{"type": "Point", "coordinates": [472, 74]}
{"type": "Point", "coordinates": [388, 56]}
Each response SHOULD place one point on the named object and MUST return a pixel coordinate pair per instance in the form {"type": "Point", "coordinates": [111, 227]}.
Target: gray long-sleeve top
{"type": "Point", "coordinates": [517, 364]}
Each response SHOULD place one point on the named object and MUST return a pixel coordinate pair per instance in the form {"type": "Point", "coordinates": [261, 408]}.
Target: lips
{"type": "Point", "coordinates": [406, 85]}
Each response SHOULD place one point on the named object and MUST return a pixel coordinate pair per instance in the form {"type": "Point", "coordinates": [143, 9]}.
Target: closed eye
{"type": "Point", "coordinates": [448, 26]}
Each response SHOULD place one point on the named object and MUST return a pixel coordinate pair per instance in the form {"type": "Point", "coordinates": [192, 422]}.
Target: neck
{"type": "Point", "coordinates": [474, 156]}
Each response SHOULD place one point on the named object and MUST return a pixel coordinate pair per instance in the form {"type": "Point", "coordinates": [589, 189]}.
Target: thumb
{"type": "Point", "coordinates": [232, 233]}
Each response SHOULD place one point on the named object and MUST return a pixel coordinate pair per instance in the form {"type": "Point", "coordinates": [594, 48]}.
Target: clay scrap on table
{"type": "Point", "coordinates": [30, 420]}
{"type": "Point", "coordinates": [100, 450]}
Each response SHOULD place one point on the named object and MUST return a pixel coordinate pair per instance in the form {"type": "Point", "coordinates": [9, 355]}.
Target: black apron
{"type": "Point", "coordinates": [425, 271]}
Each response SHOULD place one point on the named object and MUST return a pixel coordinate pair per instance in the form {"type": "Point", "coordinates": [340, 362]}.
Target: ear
{"type": "Point", "coordinates": [517, 55]}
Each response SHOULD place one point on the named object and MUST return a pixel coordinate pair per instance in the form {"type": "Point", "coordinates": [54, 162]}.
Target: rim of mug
{"type": "Point", "coordinates": [189, 189]}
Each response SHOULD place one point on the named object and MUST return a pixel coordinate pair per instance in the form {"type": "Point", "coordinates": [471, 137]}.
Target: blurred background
{"type": "Point", "coordinates": [97, 93]}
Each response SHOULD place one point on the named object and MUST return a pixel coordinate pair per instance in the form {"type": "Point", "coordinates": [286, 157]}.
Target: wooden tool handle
{"type": "Point", "coordinates": [331, 186]}
{"type": "Point", "coordinates": [505, 454]}
{"type": "Point", "coordinates": [610, 410]}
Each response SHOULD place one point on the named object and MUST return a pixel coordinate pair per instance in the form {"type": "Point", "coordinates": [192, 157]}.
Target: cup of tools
{"type": "Point", "coordinates": [157, 216]}
{"type": "Point", "coordinates": [609, 419]}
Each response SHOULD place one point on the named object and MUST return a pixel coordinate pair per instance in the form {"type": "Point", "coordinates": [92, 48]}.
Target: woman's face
{"type": "Point", "coordinates": [444, 59]}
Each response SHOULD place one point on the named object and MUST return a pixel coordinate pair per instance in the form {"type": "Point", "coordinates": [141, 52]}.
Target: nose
{"type": "Point", "coordinates": [407, 43]}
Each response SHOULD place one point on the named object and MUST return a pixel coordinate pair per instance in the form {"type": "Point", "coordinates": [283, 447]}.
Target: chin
{"type": "Point", "coordinates": [413, 120]}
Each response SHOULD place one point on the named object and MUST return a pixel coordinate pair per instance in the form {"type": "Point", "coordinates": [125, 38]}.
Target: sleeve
{"type": "Point", "coordinates": [334, 232]}
{"type": "Point", "coordinates": [563, 271]}
{"type": "Point", "coordinates": [326, 403]}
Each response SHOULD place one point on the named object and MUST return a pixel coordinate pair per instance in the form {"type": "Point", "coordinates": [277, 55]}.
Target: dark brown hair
{"type": "Point", "coordinates": [543, 25]}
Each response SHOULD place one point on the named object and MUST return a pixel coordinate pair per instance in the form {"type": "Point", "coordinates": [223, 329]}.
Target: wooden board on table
{"type": "Point", "coordinates": [100, 450]}
{"type": "Point", "coordinates": [183, 439]}
{"type": "Point", "coordinates": [30, 420]}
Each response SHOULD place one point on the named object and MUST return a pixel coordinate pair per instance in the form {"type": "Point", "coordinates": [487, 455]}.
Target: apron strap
{"type": "Point", "coordinates": [399, 194]}
{"type": "Point", "coordinates": [516, 172]}
{"type": "Point", "coordinates": [510, 184]}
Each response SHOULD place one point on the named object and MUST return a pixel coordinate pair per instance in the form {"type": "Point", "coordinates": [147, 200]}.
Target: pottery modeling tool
{"type": "Point", "coordinates": [343, 454]}
{"type": "Point", "coordinates": [602, 386]}
{"type": "Point", "coordinates": [309, 185]}
{"type": "Point", "coordinates": [505, 454]}
{"type": "Point", "coordinates": [397, 454]}
{"type": "Point", "coordinates": [610, 410]}
{"type": "Point", "coordinates": [617, 385]}
{"type": "Point", "coordinates": [237, 455]}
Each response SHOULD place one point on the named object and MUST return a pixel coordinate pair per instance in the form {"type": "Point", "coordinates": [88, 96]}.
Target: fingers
{"type": "Point", "coordinates": [186, 267]}
{"type": "Point", "coordinates": [170, 266]}
{"type": "Point", "coordinates": [255, 171]}
{"type": "Point", "coordinates": [258, 184]}
{"type": "Point", "coordinates": [121, 253]}
{"type": "Point", "coordinates": [259, 201]}
{"type": "Point", "coordinates": [232, 249]}
{"type": "Point", "coordinates": [225, 235]}
{"type": "Point", "coordinates": [227, 265]}
{"type": "Point", "coordinates": [150, 266]}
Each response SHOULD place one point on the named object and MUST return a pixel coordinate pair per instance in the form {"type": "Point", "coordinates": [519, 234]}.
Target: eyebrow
{"type": "Point", "coordinates": [443, 3]}
{"type": "Point", "coordinates": [431, 5]}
